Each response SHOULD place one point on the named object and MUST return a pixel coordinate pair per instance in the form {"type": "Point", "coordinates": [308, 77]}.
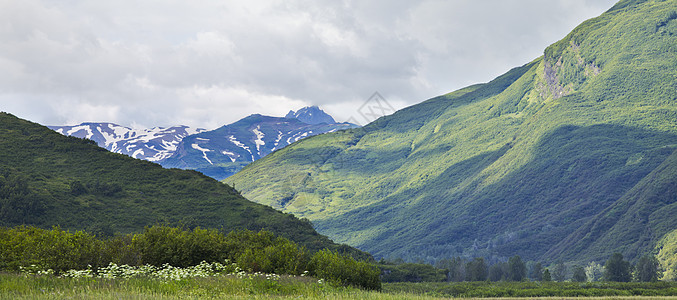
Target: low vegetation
{"type": "Point", "coordinates": [61, 252]}
{"type": "Point", "coordinates": [410, 272]}
{"type": "Point", "coordinates": [13, 286]}
{"type": "Point", "coordinates": [232, 286]}
{"type": "Point", "coordinates": [534, 289]}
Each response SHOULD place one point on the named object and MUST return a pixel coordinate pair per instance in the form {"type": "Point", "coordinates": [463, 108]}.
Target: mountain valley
{"type": "Point", "coordinates": [570, 157]}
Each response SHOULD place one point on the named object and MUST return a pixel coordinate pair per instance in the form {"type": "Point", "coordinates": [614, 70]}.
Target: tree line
{"type": "Point", "coordinates": [457, 269]}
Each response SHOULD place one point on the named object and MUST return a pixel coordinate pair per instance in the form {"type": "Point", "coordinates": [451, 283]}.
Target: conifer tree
{"type": "Point", "coordinates": [617, 269]}
{"type": "Point", "coordinates": [537, 272]}
{"type": "Point", "coordinates": [517, 270]}
{"type": "Point", "coordinates": [647, 269]}
{"type": "Point", "coordinates": [579, 274]}
{"type": "Point", "coordinates": [546, 275]}
{"type": "Point", "coordinates": [476, 270]}
{"type": "Point", "coordinates": [559, 272]}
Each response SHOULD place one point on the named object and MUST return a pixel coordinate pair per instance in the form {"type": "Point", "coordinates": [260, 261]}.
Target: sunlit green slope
{"type": "Point", "coordinates": [47, 179]}
{"type": "Point", "coordinates": [667, 256]}
{"type": "Point", "coordinates": [548, 161]}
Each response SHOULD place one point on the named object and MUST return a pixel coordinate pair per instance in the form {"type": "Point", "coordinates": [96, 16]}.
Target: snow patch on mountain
{"type": "Point", "coordinates": [87, 129]}
{"type": "Point", "coordinates": [232, 156]}
{"type": "Point", "coordinates": [204, 152]}
{"type": "Point", "coordinates": [233, 140]}
{"type": "Point", "coordinates": [277, 140]}
{"type": "Point", "coordinates": [137, 153]}
{"type": "Point", "coordinates": [259, 139]}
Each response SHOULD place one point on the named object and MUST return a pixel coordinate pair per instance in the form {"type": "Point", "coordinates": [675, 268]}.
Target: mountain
{"type": "Point", "coordinates": [570, 157]}
{"type": "Point", "coordinates": [222, 152]}
{"type": "Point", "coordinates": [217, 153]}
{"type": "Point", "coordinates": [311, 115]}
{"type": "Point", "coordinates": [47, 179]}
{"type": "Point", "coordinates": [153, 144]}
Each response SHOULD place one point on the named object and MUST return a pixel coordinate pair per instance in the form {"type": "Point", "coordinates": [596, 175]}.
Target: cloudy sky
{"type": "Point", "coordinates": [207, 63]}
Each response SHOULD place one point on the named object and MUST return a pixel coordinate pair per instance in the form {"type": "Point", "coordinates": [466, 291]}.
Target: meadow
{"type": "Point", "coordinates": [265, 286]}
{"type": "Point", "coordinates": [17, 286]}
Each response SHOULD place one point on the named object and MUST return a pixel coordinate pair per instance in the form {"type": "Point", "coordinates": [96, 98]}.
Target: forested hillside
{"type": "Point", "coordinates": [47, 179]}
{"type": "Point", "coordinates": [571, 157]}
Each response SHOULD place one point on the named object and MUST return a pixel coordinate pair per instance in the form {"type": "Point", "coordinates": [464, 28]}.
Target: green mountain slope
{"type": "Point", "coordinates": [47, 179]}
{"type": "Point", "coordinates": [565, 147]}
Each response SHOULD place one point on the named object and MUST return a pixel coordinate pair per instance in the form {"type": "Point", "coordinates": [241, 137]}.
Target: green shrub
{"type": "Point", "coordinates": [48, 249]}
{"type": "Point", "coordinates": [264, 252]}
{"type": "Point", "coordinates": [410, 272]}
{"type": "Point", "coordinates": [159, 245]}
{"type": "Point", "coordinates": [344, 270]}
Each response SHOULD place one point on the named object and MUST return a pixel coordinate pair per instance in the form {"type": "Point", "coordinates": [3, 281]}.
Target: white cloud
{"type": "Point", "coordinates": [210, 63]}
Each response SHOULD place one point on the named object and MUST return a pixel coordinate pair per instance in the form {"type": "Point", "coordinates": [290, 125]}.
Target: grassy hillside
{"type": "Point", "coordinates": [571, 157]}
{"type": "Point", "coordinates": [47, 179]}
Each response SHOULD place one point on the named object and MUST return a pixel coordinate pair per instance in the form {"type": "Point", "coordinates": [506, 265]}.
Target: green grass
{"type": "Point", "coordinates": [210, 287]}
{"type": "Point", "coordinates": [222, 287]}
{"type": "Point", "coordinates": [570, 157]}
{"type": "Point", "coordinates": [14, 286]}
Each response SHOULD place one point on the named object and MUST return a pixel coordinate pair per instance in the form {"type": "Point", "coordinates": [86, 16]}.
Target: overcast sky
{"type": "Point", "coordinates": [206, 63]}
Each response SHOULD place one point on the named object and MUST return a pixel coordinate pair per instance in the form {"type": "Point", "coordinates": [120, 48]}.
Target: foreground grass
{"type": "Point", "coordinates": [13, 286]}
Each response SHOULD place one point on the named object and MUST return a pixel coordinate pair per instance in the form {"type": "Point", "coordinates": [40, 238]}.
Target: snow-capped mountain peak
{"type": "Point", "coordinates": [311, 115]}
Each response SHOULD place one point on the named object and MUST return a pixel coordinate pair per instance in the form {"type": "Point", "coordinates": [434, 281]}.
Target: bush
{"type": "Point", "coordinates": [159, 245]}
{"type": "Point", "coordinates": [48, 249]}
{"type": "Point", "coordinates": [410, 272]}
{"type": "Point", "coordinates": [344, 270]}
{"type": "Point", "coordinates": [264, 252]}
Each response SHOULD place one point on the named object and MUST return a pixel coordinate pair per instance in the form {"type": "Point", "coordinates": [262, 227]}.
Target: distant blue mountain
{"type": "Point", "coordinates": [217, 153]}
{"type": "Point", "coordinates": [224, 151]}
